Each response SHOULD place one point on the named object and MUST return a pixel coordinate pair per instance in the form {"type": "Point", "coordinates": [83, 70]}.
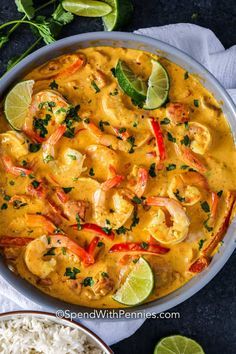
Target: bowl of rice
{"type": "Point", "coordinates": [28, 332]}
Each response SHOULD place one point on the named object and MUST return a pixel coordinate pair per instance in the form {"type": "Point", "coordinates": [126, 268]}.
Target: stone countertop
{"type": "Point", "coordinates": [209, 316]}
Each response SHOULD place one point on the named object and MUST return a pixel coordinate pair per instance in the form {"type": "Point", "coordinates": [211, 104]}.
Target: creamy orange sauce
{"type": "Point", "coordinates": [112, 106]}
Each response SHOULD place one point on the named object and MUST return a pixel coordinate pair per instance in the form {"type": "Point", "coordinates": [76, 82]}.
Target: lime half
{"type": "Point", "coordinates": [132, 85]}
{"type": "Point", "coordinates": [138, 285]}
{"type": "Point", "coordinates": [87, 8]}
{"type": "Point", "coordinates": [158, 87]}
{"type": "Point", "coordinates": [17, 103]}
{"type": "Point", "coordinates": [178, 345]}
{"type": "Point", "coordinates": [122, 11]}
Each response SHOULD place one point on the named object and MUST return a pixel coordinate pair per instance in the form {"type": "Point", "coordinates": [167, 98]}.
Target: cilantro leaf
{"type": "Point", "coordinates": [62, 16]}
{"type": "Point", "coordinates": [26, 7]}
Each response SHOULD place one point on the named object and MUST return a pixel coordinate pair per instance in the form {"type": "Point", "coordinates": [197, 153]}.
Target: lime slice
{"type": "Point", "coordinates": [17, 103]}
{"type": "Point", "coordinates": [122, 11]}
{"type": "Point", "coordinates": [178, 345]}
{"type": "Point", "coordinates": [130, 83]}
{"type": "Point", "coordinates": [158, 87]}
{"type": "Point", "coordinates": [138, 285]}
{"type": "Point", "coordinates": [87, 8]}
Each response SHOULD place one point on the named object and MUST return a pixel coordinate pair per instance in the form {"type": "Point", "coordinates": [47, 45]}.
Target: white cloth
{"type": "Point", "coordinates": [203, 45]}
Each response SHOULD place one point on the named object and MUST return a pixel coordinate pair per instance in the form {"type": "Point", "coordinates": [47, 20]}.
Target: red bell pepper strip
{"type": "Point", "coordinates": [139, 247]}
{"type": "Point", "coordinates": [92, 245]}
{"type": "Point", "coordinates": [96, 229]}
{"type": "Point", "coordinates": [159, 139]}
{"type": "Point", "coordinates": [7, 241]}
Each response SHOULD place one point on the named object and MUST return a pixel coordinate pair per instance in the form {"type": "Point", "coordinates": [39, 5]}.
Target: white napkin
{"type": "Point", "coordinates": [203, 45]}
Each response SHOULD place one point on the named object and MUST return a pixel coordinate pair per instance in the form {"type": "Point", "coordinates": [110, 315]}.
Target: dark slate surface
{"type": "Point", "coordinates": [209, 316]}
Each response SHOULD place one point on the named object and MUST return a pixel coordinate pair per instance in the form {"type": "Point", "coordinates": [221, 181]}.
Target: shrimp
{"type": "Point", "coordinates": [64, 66]}
{"type": "Point", "coordinates": [186, 187]}
{"type": "Point", "coordinates": [158, 228]}
{"type": "Point", "coordinates": [45, 105]}
{"type": "Point", "coordinates": [200, 137]}
{"type": "Point", "coordinates": [138, 180]}
{"type": "Point", "coordinates": [116, 214]}
{"type": "Point", "coordinates": [40, 221]}
{"type": "Point", "coordinates": [101, 158]}
{"type": "Point", "coordinates": [9, 167]}
{"type": "Point", "coordinates": [190, 158]}
{"type": "Point", "coordinates": [68, 166]}
{"type": "Point", "coordinates": [35, 251]}
{"type": "Point", "coordinates": [13, 143]}
{"type": "Point", "coordinates": [177, 113]}
{"type": "Point", "coordinates": [108, 139]}
{"type": "Point", "coordinates": [48, 145]}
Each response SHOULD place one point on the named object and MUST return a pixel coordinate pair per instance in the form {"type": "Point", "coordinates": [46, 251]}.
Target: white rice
{"type": "Point", "coordinates": [28, 335]}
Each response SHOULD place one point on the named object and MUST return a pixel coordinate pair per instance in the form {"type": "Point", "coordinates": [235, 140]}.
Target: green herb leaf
{"type": "Point", "coordinates": [71, 273]}
{"type": "Point", "coordinates": [102, 123]}
{"type": "Point", "coordinates": [196, 103]}
{"type": "Point", "coordinates": [186, 75]}
{"type": "Point", "coordinates": [91, 172]}
{"type": "Point", "coordinates": [113, 71]}
{"type": "Point", "coordinates": [152, 170]}
{"type": "Point", "coordinates": [26, 7]}
{"type": "Point", "coordinates": [50, 252]}
{"type": "Point", "coordinates": [171, 167]}
{"type": "Point", "coordinates": [205, 207]}
{"type": "Point", "coordinates": [62, 16]}
{"type": "Point", "coordinates": [178, 196]}
{"type": "Point", "coordinates": [67, 189]}
{"type": "Point", "coordinates": [79, 226]}
{"type": "Point", "coordinates": [205, 224]}
{"type": "Point", "coordinates": [4, 206]}
{"type": "Point", "coordinates": [135, 220]}
{"type": "Point", "coordinates": [104, 275]}
{"type": "Point", "coordinates": [95, 86]}
{"type": "Point", "coordinates": [53, 85]}
{"type": "Point", "coordinates": [121, 230]}
{"type": "Point", "coordinates": [34, 147]}
{"type": "Point", "coordinates": [144, 245]}
{"type": "Point", "coordinates": [7, 197]}
{"type": "Point", "coordinates": [220, 193]}
{"type": "Point", "coordinates": [17, 204]}
{"type": "Point", "coordinates": [201, 243]}
{"type": "Point", "coordinates": [170, 137]}
{"type": "Point", "coordinates": [35, 184]}
{"type": "Point", "coordinates": [88, 281]}
{"type": "Point", "coordinates": [165, 121]}
{"type": "Point", "coordinates": [131, 140]}
{"type": "Point", "coordinates": [186, 141]}
{"type": "Point", "coordinates": [137, 200]}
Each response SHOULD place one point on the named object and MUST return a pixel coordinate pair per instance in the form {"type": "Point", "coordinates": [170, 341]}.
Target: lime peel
{"type": "Point", "coordinates": [178, 344]}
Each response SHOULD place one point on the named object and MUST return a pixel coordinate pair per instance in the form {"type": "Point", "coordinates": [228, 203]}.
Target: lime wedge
{"type": "Point", "coordinates": [122, 11]}
{"type": "Point", "coordinates": [138, 285]}
{"type": "Point", "coordinates": [87, 8]}
{"type": "Point", "coordinates": [178, 345]}
{"type": "Point", "coordinates": [130, 83]}
{"type": "Point", "coordinates": [17, 103]}
{"type": "Point", "coordinates": [158, 87]}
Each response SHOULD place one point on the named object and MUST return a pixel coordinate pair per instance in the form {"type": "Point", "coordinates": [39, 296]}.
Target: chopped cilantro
{"type": "Point", "coordinates": [100, 244]}
{"type": "Point", "coordinates": [71, 273]}
{"type": "Point", "coordinates": [67, 189]}
{"type": "Point", "coordinates": [12, 183]}
{"type": "Point", "coordinates": [87, 120]}
{"type": "Point", "coordinates": [170, 137]}
{"type": "Point", "coordinates": [4, 206]}
{"type": "Point", "coordinates": [152, 170]}
{"type": "Point", "coordinates": [114, 93]}
{"type": "Point", "coordinates": [7, 197]}
{"type": "Point", "coordinates": [205, 207]}
{"type": "Point", "coordinates": [186, 75]}
{"type": "Point", "coordinates": [184, 167]}
{"type": "Point", "coordinates": [205, 224]}
{"type": "Point", "coordinates": [48, 158]}
{"type": "Point", "coordinates": [35, 183]}
{"type": "Point", "coordinates": [104, 275]}
{"type": "Point", "coordinates": [165, 121]}
{"type": "Point", "coordinates": [50, 252]}
{"type": "Point", "coordinates": [95, 86]}
{"type": "Point", "coordinates": [53, 85]}
{"type": "Point", "coordinates": [186, 141]}
{"type": "Point", "coordinates": [17, 204]}
{"type": "Point", "coordinates": [88, 281]}
{"type": "Point", "coordinates": [113, 71]}
{"type": "Point", "coordinates": [171, 167]}
{"type": "Point", "coordinates": [121, 230]}
{"type": "Point", "coordinates": [102, 123]}
{"type": "Point", "coordinates": [178, 196]}
{"type": "Point", "coordinates": [135, 124]}
{"type": "Point", "coordinates": [91, 172]}
{"type": "Point", "coordinates": [131, 140]}
{"type": "Point", "coordinates": [196, 103]}
{"type": "Point", "coordinates": [63, 250]}
{"type": "Point", "coordinates": [34, 147]}
{"type": "Point", "coordinates": [79, 226]}
{"type": "Point", "coordinates": [144, 245]}
{"type": "Point", "coordinates": [135, 220]}
{"type": "Point", "coordinates": [220, 193]}
{"type": "Point", "coordinates": [137, 200]}
{"type": "Point", "coordinates": [201, 243]}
